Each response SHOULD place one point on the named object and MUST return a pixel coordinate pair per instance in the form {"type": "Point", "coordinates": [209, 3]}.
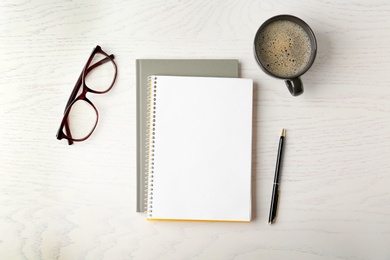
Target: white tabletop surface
{"type": "Point", "coordinates": [78, 202]}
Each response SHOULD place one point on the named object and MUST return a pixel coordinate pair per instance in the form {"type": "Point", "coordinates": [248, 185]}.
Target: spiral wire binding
{"type": "Point", "coordinates": [150, 143]}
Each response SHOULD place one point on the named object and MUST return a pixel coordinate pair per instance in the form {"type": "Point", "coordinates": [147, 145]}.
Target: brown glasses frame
{"type": "Point", "coordinates": [82, 96]}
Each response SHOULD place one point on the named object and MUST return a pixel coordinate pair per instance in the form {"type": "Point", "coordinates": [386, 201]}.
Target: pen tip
{"type": "Point", "coordinates": [283, 132]}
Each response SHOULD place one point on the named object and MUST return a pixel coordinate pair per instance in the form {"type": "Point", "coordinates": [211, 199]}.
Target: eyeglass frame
{"type": "Point", "coordinates": [82, 96]}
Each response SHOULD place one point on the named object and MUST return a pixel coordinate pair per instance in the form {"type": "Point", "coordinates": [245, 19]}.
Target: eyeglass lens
{"type": "Point", "coordinates": [82, 119]}
{"type": "Point", "coordinates": [100, 78]}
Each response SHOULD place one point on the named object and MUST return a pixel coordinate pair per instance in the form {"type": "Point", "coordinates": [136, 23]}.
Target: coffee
{"type": "Point", "coordinates": [284, 48]}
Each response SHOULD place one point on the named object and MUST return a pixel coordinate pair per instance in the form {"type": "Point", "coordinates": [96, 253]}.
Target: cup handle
{"type": "Point", "coordinates": [295, 86]}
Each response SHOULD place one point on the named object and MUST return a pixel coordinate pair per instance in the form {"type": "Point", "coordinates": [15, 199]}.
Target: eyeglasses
{"type": "Point", "coordinates": [81, 116]}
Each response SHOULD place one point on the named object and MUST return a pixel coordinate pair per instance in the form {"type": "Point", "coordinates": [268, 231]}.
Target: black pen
{"type": "Point", "coordinates": [275, 189]}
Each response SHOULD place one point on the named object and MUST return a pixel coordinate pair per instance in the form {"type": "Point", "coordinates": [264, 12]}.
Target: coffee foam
{"type": "Point", "coordinates": [284, 48]}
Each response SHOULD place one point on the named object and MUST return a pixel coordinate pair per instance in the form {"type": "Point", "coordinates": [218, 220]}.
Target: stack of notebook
{"type": "Point", "coordinates": [194, 140]}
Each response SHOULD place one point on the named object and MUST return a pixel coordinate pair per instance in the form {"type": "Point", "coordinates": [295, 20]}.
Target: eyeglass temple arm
{"type": "Point", "coordinates": [77, 88]}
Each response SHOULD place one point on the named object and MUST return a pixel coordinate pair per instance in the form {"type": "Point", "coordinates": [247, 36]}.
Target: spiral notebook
{"type": "Point", "coordinates": [177, 67]}
{"type": "Point", "coordinates": [199, 149]}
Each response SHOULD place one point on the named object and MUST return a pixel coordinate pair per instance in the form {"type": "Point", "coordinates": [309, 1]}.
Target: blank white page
{"type": "Point", "coordinates": [200, 161]}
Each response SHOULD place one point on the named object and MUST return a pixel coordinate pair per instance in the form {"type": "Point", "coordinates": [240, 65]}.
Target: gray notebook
{"type": "Point", "coordinates": [147, 67]}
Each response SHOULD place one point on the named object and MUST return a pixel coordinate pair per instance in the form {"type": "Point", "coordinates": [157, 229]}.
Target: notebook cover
{"type": "Point", "coordinates": [178, 67]}
{"type": "Point", "coordinates": [200, 149]}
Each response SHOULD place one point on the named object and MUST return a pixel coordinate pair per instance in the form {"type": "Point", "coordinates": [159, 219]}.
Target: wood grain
{"type": "Point", "coordinates": [78, 202]}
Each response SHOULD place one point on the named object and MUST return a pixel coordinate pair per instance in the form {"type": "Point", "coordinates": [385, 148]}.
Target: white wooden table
{"type": "Point", "coordinates": [78, 202]}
